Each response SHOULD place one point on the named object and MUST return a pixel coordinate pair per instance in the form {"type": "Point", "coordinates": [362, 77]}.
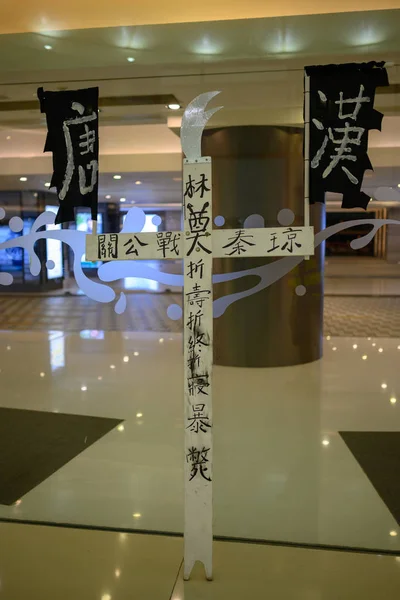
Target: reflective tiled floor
{"type": "Point", "coordinates": [244, 570]}
{"type": "Point", "coordinates": [50, 562]}
{"type": "Point", "coordinates": [344, 315]}
{"type": "Point", "coordinates": [145, 312]}
{"type": "Point", "coordinates": [362, 316]}
{"type": "Point", "coordinates": [361, 276]}
{"type": "Point", "coordinates": [42, 563]}
{"type": "Point", "coordinates": [282, 471]}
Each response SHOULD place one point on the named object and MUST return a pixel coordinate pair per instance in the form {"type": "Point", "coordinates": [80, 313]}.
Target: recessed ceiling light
{"type": "Point", "coordinates": [138, 182]}
{"type": "Point", "coordinates": [83, 388]}
{"type": "Point", "coordinates": [47, 184]}
{"type": "Point", "coordinates": [122, 199]}
{"type": "Point", "coordinates": [398, 185]}
{"type": "Point", "coordinates": [380, 350]}
{"type": "Point", "coordinates": [393, 400]}
{"type": "Point", "coordinates": [116, 176]}
{"type": "Point", "coordinates": [108, 197]}
{"type": "Point", "coordinates": [117, 572]}
{"type": "Point", "coordinates": [364, 357]}
{"type": "Point", "coordinates": [325, 442]}
{"type": "Point", "coordinates": [42, 374]}
{"type": "Point", "coordinates": [173, 106]}
{"type": "Point", "coordinates": [8, 137]}
{"type": "Point", "coordinates": [384, 386]}
{"type": "Point", "coordinates": [23, 179]}
{"type": "Point", "coordinates": [161, 340]}
{"type": "Point", "coordinates": [139, 415]}
{"type": "Point", "coordinates": [100, 377]}
{"type": "Point", "coordinates": [334, 348]}
{"type": "Point", "coordinates": [48, 47]}
{"type": "Point", "coordinates": [130, 59]}
{"type": "Point", "coordinates": [136, 354]}
{"type": "Point", "coordinates": [393, 533]}
{"type": "Point", "coordinates": [136, 515]}
{"type": "Point", "coordinates": [126, 358]}
{"type": "Point", "coordinates": [112, 366]}
{"type": "Point", "coordinates": [355, 346]}
{"type": "Point", "coordinates": [121, 427]}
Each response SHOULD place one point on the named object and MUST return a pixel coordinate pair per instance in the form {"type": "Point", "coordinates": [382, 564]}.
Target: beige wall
{"type": "Point", "coordinates": [46, 15]}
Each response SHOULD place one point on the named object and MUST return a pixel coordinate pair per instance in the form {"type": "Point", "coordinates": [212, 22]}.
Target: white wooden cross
{"type": "Point", "coordinates": [197, 245]}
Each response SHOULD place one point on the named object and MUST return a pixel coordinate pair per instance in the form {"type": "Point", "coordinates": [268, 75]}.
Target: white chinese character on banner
{"type": "Point", "coordinates": [347, 137]}
{"type": "Point", "coordinates": [86, 146]}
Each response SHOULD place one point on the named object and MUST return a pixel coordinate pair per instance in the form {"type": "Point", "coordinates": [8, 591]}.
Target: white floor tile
{"type": "Point", "coordinates": [66, 564]}
{"type": "Point", "coordinates": [273, 477]}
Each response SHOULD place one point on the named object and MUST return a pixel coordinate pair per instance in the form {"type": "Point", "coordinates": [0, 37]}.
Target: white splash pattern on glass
{"type": "Point", "coordinates": [134, 222]}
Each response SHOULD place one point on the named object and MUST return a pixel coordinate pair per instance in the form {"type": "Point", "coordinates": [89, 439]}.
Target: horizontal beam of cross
{"type": "Point", "coordinates": [226, 243]}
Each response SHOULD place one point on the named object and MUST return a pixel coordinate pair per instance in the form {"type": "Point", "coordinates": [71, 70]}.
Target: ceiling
{"type": "Point", "coordinates": [42, 15]}
{"type": "Point", "coordinates": [257, 64]}
{"type": "Point", "coordinates": [167, 48]}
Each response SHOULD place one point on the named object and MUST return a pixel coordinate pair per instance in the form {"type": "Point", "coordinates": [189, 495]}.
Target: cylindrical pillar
{"type": "Point", "coordinates": [259, 170]}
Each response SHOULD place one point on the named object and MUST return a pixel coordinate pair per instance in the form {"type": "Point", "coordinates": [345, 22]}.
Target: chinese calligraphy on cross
{"type": "Point", "coordinates": [193, 187]}
{"type": "Point", "coordinates": [239, 243]}
{"type": "Point", "coordinates": [168, 240]}
{"type": "Point", "coordinates": [133, 246]}
{"type": "Point", "coordinates": [198, 421]}
{"type": "Point", "coordinates": [198, 462]}
{"type": "Point", "coordinates": [199, 221]}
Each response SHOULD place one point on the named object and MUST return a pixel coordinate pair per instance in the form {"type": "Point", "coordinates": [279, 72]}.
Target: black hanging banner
{"type": "Point", "coordinates": [73, 138]}
{"type": "Point", "coordinates": [341, 115]}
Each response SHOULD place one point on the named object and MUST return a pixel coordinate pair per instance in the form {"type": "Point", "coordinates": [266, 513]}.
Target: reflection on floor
{"type": "Point", "coordinates": [361, 276]}
{"type": "Point", "coordinates": [343, 315]}
{"type": "Point", "coordinates": [362, 316]}
{"type": "Point", "coordinates": [102, 565]}
{"type": "Point", "coordinates": [145, 312]}
{"type": "Point", "coordinates": [355, 267]}
{"type": "Point", "coordinates": [282, 470]}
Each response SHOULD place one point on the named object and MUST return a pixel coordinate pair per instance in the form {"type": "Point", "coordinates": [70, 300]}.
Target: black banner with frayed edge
{"type": "Point", "coordinates": [341, 115]}
{"type": "Point", "coordinates": [73, 138]}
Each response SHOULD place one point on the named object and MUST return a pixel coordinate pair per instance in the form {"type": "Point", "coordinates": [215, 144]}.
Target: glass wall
{"type": "Point", "coordinates": [92, 395]}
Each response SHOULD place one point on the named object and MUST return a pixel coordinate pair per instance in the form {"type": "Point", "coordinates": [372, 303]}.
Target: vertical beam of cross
{"type": "Point", "coordinates": [198, 359]}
